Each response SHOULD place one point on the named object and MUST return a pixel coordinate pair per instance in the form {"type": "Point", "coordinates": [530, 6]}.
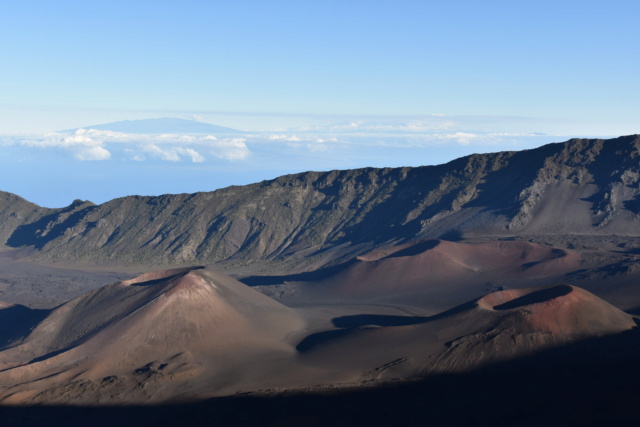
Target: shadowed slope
{"type": "Point", "coordinates": [16, 321]}
{"type": "Point", "coordinates": [16, 212]}
{"type": "Point", "coordinates": [591, 383]}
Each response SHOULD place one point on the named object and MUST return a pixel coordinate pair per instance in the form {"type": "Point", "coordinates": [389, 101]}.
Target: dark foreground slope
{"type": "Point", "coordinates": [592, 383]}
{"type": "Point", "coordinates": [580, 187]}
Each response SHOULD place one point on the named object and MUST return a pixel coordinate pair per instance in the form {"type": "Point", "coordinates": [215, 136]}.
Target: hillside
{"type": "Point", "coordinates": [580, 187]}
{"type": "Point", "coordinates": [187, 334]}
{"type": "Point", "coordinates": [177, 332]}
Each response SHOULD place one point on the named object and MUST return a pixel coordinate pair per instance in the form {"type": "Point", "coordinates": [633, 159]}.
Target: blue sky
{"type": "Point", "coordinates": [503, 71]}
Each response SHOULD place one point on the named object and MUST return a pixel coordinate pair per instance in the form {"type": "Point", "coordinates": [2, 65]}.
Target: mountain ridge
{"type": "Point", "coordinates": [580, 187]}
{"type": "Point", "coordinates": [160, 125]}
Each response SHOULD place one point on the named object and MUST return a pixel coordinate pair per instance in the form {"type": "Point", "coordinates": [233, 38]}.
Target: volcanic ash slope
{"type": "Point", "coordinates": [525, 321]}
{"type": "Point", "coordinates": [441, 273]}
{"type": "Point", "coordinates": [190, 334]}
{"type": "Point", "coordinates": [498, 327]}
{"type": "Point", "coordinates": [173, 334]}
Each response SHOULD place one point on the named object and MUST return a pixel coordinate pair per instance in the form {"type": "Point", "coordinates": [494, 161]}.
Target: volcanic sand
{"type": "Point", "coordinates": [436, 274]}
{"type": "Point", "coordinates": [193, 333]}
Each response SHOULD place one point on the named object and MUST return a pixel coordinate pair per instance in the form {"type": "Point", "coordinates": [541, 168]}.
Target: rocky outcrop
{"type": "Point", "coordinates": [582, 186]}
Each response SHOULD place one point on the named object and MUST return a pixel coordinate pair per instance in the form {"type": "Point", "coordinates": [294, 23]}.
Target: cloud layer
{"type": "Point", "coordinates": [52, 169]}
{"type": "Point", "coordinates": [356, 143]}
{"type": "Point", "coordinates": [97, 145]}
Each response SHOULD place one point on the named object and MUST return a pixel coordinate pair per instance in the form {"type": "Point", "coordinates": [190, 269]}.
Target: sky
{"type": "Point", "coordinates": [313, 85]}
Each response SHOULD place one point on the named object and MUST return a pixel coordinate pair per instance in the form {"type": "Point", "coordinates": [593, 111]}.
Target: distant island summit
{"type": "Point", "coordinates": [161, 125]}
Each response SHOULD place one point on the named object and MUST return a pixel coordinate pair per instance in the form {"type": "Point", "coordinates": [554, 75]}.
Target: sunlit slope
{"type": "Point", "coordinates": [190, 330]}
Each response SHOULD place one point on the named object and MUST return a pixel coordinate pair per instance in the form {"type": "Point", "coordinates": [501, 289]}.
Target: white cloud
{"type": "Point", "coordinates": [317, 145]}
{"type": "Point", "coordinates": [190, 152]}
{"type": "Point", "coordinates": [92, 153]}
{"type": "Point", "coordinates": [81, 144]}
{"type": "Point", "coordinates": [231, 149]}
{"type": "Point", "coordinates": [302, 150]}
{"type": "Point", "coordinates": [433, 123]}
{"type": "Point", "coordinates": [162, 154]}
{"type": "Point", "coordinates": [468, 138]}
{"type": "Point", "coordinates": [173, 154]}
{"type": "Point", "coordinates": [463, 138]}
{"type": "Point", "coordinates": [322, 140]}
{"type": "Point", "coordinates": [290, 138]}
{"type": "Point", "coordinates": [92, 144]}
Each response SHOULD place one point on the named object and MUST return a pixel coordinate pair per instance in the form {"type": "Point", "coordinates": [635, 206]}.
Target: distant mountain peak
{"type": "Point", "coordinates": [160, 125]}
